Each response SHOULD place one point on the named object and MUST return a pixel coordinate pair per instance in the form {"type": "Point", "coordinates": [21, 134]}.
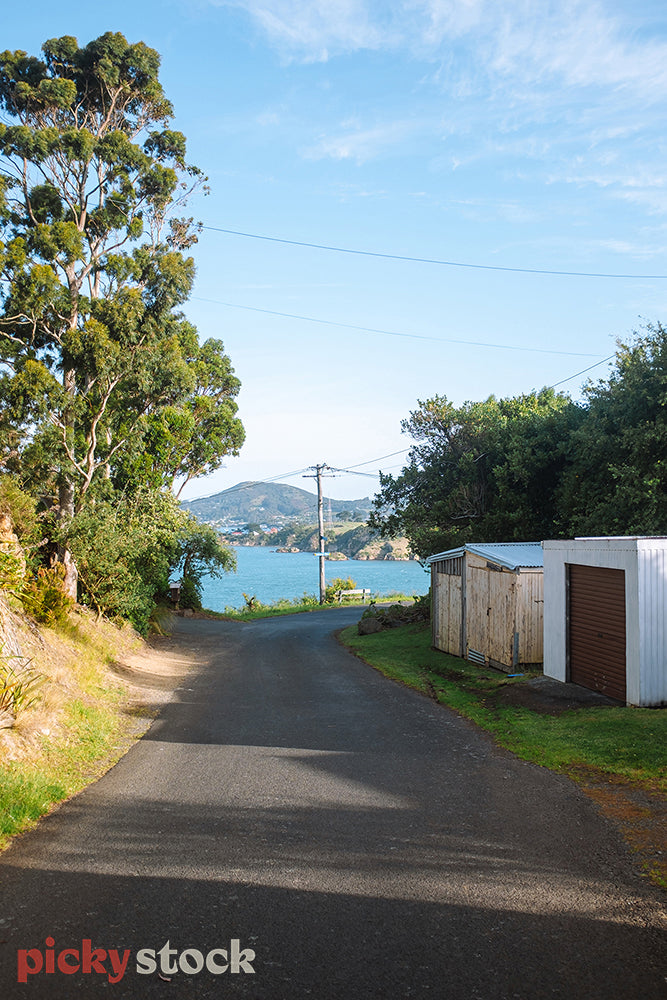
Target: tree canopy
{"type": "Point", "coordinates": [105, 389]}
{"type": "Point", "coordinates": [616, 480]}
{"type": "Point", "coordinates": [539, 465]}
{"type": "Point", "coordinates": [484, 469]}
{"type": "Point", "coordinates": [98, 360]}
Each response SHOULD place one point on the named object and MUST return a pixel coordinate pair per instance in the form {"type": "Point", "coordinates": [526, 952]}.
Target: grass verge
{"type": "Point", "coordinates": [285, 606]}
{"type": "Point", "coordinates": [617, 754]}
{"type": "Point", "coordinates": [76, 730]}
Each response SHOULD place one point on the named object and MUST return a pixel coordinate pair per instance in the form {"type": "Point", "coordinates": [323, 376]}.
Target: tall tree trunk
{"type": "Point", "coordinates": [66, 497]}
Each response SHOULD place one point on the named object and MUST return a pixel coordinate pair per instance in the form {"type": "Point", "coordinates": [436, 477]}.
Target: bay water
{"type": "Point", "coordinates": [269, 576]}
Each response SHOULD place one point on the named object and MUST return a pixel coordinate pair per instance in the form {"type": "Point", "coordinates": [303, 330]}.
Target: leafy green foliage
{"type": "Point", "coordinates": [538, 466]}
{"type": "Point", "coordinates": [20, 508]}
{"type": "Point", "coordinates": [103, 377]}
{"type": "Point", "coordinates": [105, 391]}
{"type": "Point", "coordinates": [485, 471]}
{"type": "Point", "coordinates": [45, 598]}
{"type": "Point", "coordinates": [200, 553]}
{"type": "Point", "coordinates": [12, 570]}
{"type": "Point", "coordinates": [128, 545]}
{"type": "Point", "coordinates": [616, 482]}
{"type": "Point", "coordinates": [338, 583]}
{"type": "Point", "coordinates": [124, 546]}
{"type": "Point", "coordinates": [189, 595]}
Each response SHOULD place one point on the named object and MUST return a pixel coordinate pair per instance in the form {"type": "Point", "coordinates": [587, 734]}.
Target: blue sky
{"type": "Point", "coordinates": [512, 134]}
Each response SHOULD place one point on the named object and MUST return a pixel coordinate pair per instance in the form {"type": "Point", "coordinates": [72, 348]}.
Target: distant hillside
{"type": "Point", "coordinates": [270, 504]}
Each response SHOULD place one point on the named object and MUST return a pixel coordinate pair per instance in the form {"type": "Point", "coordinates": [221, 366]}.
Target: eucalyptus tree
{"type": "Point", "coordinates": [94, 269]}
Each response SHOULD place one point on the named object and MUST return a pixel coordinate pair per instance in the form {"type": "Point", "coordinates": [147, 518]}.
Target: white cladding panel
{"type": "Point", "coordinates": [652, 623]}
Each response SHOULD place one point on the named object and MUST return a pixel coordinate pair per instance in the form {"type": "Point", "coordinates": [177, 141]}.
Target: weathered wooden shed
{"type": "Point", "coordinates": [487, 603]}
{"type": "Point", "coordinates": [605, 616]}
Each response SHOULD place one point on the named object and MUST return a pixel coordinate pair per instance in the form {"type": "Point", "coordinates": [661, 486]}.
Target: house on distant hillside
{"type": "Point", "coordinates": [487, 603]}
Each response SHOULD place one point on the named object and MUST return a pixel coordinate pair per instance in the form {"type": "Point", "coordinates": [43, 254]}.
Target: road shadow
{"type": "Point", "coordinates": [324, 945]}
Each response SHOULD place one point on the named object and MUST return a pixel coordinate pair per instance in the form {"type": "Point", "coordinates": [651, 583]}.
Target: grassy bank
{"type": "Point", "coordinates": [77, 727]}
{"type": "Point", "coordinates": [618, 741]}
{"type": "Point", "coordinates": [297, 606]}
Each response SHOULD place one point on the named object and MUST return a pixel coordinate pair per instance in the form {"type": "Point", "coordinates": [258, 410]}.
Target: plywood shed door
{"type": "Point", "coordinates": [491, 605]}
{"type": "Point", "coordinates": [596, 628]}
{"type": "Point", "coordinates": [447, 606]}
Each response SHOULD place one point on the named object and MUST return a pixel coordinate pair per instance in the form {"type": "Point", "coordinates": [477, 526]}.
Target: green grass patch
{"type": "Point", "coordinates": [77, 729]}
{"type": "Point", "coordinates": [24, 797]}
{"type": "Point", "coordinates": [624, 741]}
{"type": "Point", "coordinates": [298, 606]}
{"type": "Point", "coordinates": [29, 789]}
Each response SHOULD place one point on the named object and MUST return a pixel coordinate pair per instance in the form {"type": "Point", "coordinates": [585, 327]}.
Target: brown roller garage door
{"type": "Point", "coordinates": [596, 628]}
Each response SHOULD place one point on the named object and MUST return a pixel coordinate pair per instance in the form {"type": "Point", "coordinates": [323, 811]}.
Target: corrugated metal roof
{"type": "Point", "coordinates": [512, 555]}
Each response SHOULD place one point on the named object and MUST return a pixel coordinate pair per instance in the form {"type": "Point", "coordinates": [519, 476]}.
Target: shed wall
{"type": "Point", "coordinates": [652, 585]}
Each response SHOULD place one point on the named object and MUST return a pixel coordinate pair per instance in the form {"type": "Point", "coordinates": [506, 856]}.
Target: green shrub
{"type": "Point", "coordinates": [128, 546]}
{"type": "Point", "coordinates": [45, 598]}
{"type": "Point", "coordinates": [398, 614]}
{"type": "Point", "coordinates": [422, 605]}
{"type": "Point", "coordinates": [20, 507]}
{"type": "Point", "coordinates": [12, 570]}
{"type": "Point", "coordinates": [306, 601]}
{"type": "Point", "coordinates": [189, 595]}
{"type": "Point", "coordinates": [338, 584]}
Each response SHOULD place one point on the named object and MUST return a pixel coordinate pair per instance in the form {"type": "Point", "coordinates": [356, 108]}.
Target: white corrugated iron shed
{"type": "Point", "coordinates": [605, 623]}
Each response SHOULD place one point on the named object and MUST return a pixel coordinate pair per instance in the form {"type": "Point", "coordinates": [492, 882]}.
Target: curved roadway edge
{"type": "Point", "coordinates": [359, 839]}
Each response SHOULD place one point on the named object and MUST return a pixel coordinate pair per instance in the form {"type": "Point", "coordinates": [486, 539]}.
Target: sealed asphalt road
{"type": "Point", "coordinates": [355, 839]}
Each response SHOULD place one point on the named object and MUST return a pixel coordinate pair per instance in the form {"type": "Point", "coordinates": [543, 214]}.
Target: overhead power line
{"type": "Point", "coordinates": [249, 485]}
{"type": "Point", "coordinates": [583, 372]}
{"type": "Point", "coordinates": [391, 454]}
{"type": "Point", "coordinates": [353, 472]}
{"type": "Point", "coordinates": [432, 260]}
{"type": "Point", "coordinates": [394, 333]}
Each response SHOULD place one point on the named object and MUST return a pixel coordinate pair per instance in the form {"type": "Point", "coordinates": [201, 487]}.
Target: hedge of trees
{"type": "Point", "coordinates": [539, 465]}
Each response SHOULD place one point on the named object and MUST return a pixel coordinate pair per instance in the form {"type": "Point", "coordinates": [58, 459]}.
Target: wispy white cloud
{"type": "Point", "coordinates": [346, 192]}
{"type": "Point", "coordinates": [314, 30]}
{"type": "Point", "coordinates": [568, 92]}
{"type": "Point", "coordinates": [267, 119]}
{"type": "Point", "coordinates": [442, 19]}
{"type": "Point", "coordinates": [645, 187]}
{"type": "Point", "coordinates": [579, 42]}
{"type": "Point", "coordinates": [360, 144]}
{"type": "Point", "coordinates": [626, 248]}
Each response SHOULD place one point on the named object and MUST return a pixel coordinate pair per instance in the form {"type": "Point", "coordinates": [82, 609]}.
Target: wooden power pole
{"type": "Point", "coordinates": [319, 469]}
